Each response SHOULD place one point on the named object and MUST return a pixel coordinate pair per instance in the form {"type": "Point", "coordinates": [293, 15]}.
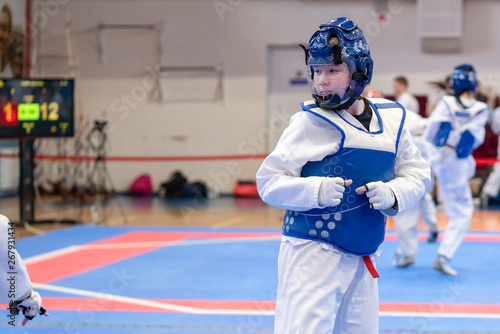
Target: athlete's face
{"type": "Point", "coordinates": [331, 79]}
{"type": "Point", "coordinates": [399, 88]}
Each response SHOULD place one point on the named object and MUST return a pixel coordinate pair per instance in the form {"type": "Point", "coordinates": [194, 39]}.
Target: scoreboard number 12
{"type": "Point", "coordinates": [53, 111]}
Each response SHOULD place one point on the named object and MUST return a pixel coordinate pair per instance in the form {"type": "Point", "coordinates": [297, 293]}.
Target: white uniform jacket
{"type": "Point", "coordinates": [311, 138]}
{"type": "Point", "coordinates": [472, 118]}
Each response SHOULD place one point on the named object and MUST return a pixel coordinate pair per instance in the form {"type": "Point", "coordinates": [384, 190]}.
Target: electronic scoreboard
{"type": "Point", "coordinates": [32, 108]}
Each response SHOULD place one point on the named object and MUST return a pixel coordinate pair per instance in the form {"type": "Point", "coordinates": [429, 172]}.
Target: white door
{"type": "Point", "coordinates": [288, 87]}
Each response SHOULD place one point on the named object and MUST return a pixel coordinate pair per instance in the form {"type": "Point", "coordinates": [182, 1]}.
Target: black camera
{"type": "Point", "coordinates": [98, 136]}
{"type": "Point", "coordinates": [99, 125]}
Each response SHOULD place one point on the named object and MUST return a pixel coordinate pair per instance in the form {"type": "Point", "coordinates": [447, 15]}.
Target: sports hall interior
{"type": "Point", "coordinates": [198, 92]}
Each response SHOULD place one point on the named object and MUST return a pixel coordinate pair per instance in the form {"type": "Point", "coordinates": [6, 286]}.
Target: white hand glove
{"type": "Point", "coordinates": [31, 306]}
{"type": "Point", "coordinates": [379, 195]}
{"type": "Point", "coordinates": [331, 191]}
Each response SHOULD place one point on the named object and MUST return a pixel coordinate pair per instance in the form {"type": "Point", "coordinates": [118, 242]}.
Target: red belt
{"type": "Point", "coordinates": [370, 266]}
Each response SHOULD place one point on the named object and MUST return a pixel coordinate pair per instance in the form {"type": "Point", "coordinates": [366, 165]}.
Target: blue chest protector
{"type": "Point", "coordinates": [352, 226]}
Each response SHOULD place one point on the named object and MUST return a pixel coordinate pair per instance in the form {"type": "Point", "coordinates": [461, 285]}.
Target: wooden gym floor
{"type": "Point", "coordinates": [215, 213]}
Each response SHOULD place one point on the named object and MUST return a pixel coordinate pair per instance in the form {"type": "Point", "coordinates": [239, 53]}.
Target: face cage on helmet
{"type": "Point", "coordinates": [331, 101]}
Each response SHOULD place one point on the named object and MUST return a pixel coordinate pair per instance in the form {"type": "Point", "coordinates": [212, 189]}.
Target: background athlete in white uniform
{"type": "Point", "coordinates": [492, 186]}
{"type": "Point", "coordinates": [456, 127]}
{"type": "Point", "coordinates": [326, 287]}
{"type": "Point", "coordinates": [15, 284]}
{"type": "Point", "coordinates": [406, 223]}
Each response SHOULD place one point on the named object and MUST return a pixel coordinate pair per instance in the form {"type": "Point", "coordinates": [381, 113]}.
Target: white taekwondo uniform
{"type": "Point", "coordinates": [324, 285]}
{"type": "Point", "coordinates": [453, 173]}
{"type": "Point", "coordinates": [492, 185]}
{"type": "Point", "coordinates": [406, 223]}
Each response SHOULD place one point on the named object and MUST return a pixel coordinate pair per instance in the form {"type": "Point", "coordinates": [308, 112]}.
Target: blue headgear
{"type": "Point", "coordinates": [463, 78]}
{"type": "Point", "coordinates": [352, 51]}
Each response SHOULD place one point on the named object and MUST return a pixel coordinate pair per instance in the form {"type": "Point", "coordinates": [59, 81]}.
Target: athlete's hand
{"type": "Point", "coordinates": [331, 191]}
{"type": "Point", "coordinates": [379, 195]}
{"type": "Point", "coordinates": [442, 134]}
{"type": "Point", "coordinates": [31, 307]}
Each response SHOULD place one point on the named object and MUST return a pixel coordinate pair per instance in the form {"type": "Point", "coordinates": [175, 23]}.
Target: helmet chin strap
{"type": "Point", "coordinates": [323, 102]}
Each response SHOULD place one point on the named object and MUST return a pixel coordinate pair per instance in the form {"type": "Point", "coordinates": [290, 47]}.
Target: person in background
{"type": "Point", "coordinates": [406, 223]}
{"type": "Point", "coordinates": [404, 97]}
{"type": "Point", "coordinates": [492, 185]}
{"type": "Point", "coordinates": [456, 127]}
{"type": "Point", "coordinates": [340, 168]}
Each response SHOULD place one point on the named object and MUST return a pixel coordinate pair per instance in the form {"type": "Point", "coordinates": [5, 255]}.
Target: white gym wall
{"type": "Point", "coordinates": [116, 81]}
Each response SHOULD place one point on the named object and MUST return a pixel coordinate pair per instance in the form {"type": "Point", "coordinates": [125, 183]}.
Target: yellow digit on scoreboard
{"type": "Point", "coordinates": [28, 112]}
{"type": "Point", "coordinates": [53, 112]}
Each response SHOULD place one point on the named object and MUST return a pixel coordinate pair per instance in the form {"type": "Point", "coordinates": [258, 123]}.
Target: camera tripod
{"type": "Point", "coordinates": [100, 177]}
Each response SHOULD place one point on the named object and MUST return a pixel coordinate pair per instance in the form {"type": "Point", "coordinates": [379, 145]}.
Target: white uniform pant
{"type": "Point", "coordinates": [453, 178]}
{"type": "Point", "coordinates": [492, 185]}
{"type": "Point", "coordinates": [322, 290]}
{"type": "Point", "coordinates": [407, 224]}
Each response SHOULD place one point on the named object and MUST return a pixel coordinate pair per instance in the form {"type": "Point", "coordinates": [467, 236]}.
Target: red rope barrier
{"type": "Point", "coordinates": [486, 161]}
{"type": "Point", "coordinates": [142, 158]}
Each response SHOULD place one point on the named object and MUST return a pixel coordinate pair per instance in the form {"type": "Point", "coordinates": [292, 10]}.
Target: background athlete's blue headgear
{"type": "Point", "coordinates": [463, 78]}
{"type": "Point", "coordinates": [352, 51]}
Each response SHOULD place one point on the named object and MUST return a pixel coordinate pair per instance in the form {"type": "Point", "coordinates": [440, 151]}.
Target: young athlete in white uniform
{"type": "Point", "coordinates": [341, 166]}
{"type": "Point", "coordinates": [15, 284]}
{"type": "Point", "coordinates": [456, 127]}
{"type": "Point", "coordinates": [492, 186]}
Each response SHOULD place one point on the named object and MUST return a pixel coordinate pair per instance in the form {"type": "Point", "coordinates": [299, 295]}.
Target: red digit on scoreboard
{"type": "Point", "coordinates": [9, 114]}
